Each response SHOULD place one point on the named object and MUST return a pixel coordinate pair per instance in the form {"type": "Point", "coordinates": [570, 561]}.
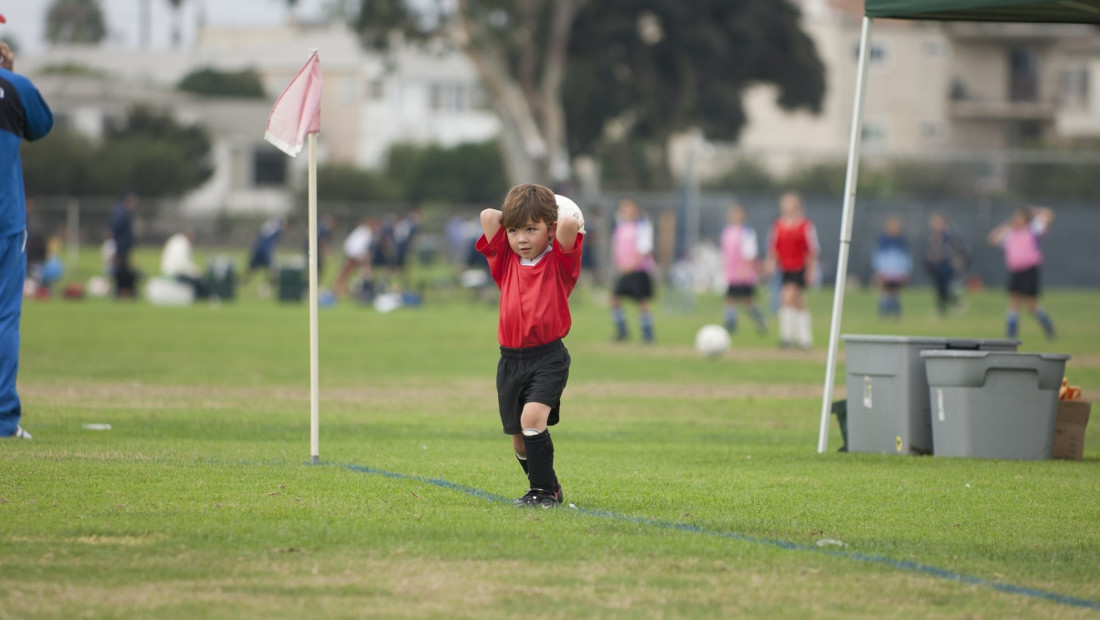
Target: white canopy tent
{"type": "Point", "coordinates": [1041, 11]}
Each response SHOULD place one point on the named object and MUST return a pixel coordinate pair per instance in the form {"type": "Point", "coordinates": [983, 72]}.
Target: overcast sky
{"type": "Point", "coordinates": [26, 18]}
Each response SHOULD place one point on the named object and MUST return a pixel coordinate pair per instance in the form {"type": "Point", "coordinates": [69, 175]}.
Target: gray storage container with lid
{"type": "Point", "coordinates": [888, 407]}
{"type": "Point", "coordinates": [994, 404]}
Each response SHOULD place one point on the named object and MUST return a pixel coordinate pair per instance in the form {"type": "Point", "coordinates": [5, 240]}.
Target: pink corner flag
{"type": "Point", "coordinates": [297, 111]}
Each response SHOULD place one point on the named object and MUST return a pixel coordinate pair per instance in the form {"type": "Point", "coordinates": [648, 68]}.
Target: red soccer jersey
{"type": "Point", "coordinates": [793, 242]}
{"type": "Point", "coordinates": [534, 299]}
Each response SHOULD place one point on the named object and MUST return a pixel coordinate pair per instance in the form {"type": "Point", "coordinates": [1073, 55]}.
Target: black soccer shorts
{"type": "Point", "coordinates": [531, 375]}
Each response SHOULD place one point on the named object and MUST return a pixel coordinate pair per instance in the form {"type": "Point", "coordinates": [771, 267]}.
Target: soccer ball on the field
{"type": "Point", "coordinates": [712, 340]}
{"type": "Point", "coordinates": [98, 286]}
{"type": "Point", "coordinates": [568, 208]}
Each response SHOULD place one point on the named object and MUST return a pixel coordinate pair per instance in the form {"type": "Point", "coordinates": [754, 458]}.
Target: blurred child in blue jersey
{"type": "Point", "coordinates": [892, 265]}
{"type": "Point", "coordinates": [263, 249]}
{"type": "Point", "coordinates": [24, 115]}
{"type": "Point", "coordinates": [740, 256]}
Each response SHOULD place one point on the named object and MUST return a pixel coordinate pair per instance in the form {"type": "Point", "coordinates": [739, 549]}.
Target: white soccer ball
{"type": "Point", "coordinates": [387, 302]}
{"type": "Point", "coordinates": [98, 286]}
{"type": "Point", "coordinates": [568, 208]}
{"type": "Point", "coordinates": [712, 340]}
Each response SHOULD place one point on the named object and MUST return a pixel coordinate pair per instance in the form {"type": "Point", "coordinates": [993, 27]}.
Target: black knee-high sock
{"type": "Point", "coordinates": [523, 463]}
{"type": "Point", "coordinates": [540, 461]}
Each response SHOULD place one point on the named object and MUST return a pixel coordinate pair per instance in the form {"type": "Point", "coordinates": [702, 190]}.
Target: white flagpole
{"type": "Point", "coordinates": [314, 390]}
{"type": "Point", "coordinates": [855, 141]}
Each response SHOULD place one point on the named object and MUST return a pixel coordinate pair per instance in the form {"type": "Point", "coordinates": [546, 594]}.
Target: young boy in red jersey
{"type": "Point", "coordinates": [535, 261]}
{"type": "Point", "coordinates": [793, 249]}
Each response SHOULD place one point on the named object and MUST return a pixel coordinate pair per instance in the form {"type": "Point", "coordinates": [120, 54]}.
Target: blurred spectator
{"type": "Point", "coordinates": [404, 235]}
{"type": "Point", "coordinates": [590, 258]}
{"type": "Point", "coordinates": [358, 255]}
{"type": "Point", "coordinates": [325, 225]}
{"type": "Point", "coordinates": [263, 249]}
{"type": "Point", "coordinates": [177, 263]}
{"type": "Point", "coordinates": [892, 265]}
{"type": "Point", "coordinates": [945, 256]}
{"type": "Point", "coordinates": [122, 231]}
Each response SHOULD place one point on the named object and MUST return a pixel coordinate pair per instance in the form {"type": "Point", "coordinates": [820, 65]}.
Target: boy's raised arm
{"type": "Point", "coordinates": [567, 233]}
{"type": "Point", "coordinates": [491, 222]}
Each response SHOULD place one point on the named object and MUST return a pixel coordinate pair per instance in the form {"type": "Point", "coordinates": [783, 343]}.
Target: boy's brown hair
{"type": "Point", "coordinates": [529, 203]}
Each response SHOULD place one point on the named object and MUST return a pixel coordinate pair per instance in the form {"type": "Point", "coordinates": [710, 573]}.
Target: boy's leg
{"type": "Point", "coordinates": [539, 449]}
{"type": "Point", "coordinates": [521, 453]}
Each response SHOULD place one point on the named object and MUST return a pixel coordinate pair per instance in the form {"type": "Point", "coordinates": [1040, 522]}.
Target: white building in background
{"type": "Point", "coordinates": [371, 102]}
{"type": "Point", "coordinates": [935, 90]}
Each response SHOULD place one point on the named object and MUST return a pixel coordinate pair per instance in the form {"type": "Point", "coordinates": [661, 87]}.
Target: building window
{"type": "Point", "coordinates": [268, 168]}
{"type": "Point", "coordinates": [435, 96]}
{"type": "Point", "coordinates": [376, 89]}
{"type": "Point", "coordinates": [451, 98]}
{"type": "Point", "coordinates": [1023, 81]}
{"type": "Point", "coordinates": [933, 131]}
{"type": "Point", "coordinates": [350, 92]}
{"type": "Point", "coordinates": [877, 55]}
{"type": "Point", "coordinates": [873, 134]}
{"type": "Point", "coordinates": [933, 47]}
{"type": "Point", "coordinates": [1073, 83]}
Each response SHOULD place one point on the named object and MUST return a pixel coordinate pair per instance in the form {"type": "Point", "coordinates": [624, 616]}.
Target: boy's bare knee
{"type": "Point", "coordinates": [534, 415]}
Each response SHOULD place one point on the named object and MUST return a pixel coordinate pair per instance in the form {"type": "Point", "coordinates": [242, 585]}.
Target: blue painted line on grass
{"type": "Point", "coordinates": [905, 565]}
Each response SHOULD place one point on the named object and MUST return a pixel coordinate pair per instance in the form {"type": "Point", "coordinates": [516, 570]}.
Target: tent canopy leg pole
{"type": "Point", "coordinates": [854, 143]}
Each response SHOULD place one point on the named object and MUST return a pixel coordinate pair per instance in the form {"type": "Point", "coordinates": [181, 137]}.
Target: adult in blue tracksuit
{"type": "Point", "coordinates": [24, 115]}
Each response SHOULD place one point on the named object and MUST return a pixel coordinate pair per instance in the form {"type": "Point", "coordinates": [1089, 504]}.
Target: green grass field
{"type": "Point", "coordinates": [689, 475]}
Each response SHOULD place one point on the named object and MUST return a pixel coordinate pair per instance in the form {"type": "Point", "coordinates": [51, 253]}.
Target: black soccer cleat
{"type": "Point", "coordinates": [539, 498]}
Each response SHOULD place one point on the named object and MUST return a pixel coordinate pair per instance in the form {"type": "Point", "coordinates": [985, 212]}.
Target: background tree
{"type": "Point", "coordinates": [519, 48]}
{"type": "Point", "coordinates": [75, 21]}
{"type": "Point", "coordinates": [471, 174]}
{"type": "Point", "coordinates": [643, 70]}
{"type": "Point", "coordinates": [148, 152]}
{"type": "Point", "coordinates": [207, 81]}
{"type": "Point", "coordinates": [621, 71]}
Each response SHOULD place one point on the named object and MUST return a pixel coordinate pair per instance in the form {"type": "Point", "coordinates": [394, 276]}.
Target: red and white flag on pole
{"type": "Point", "coordinates": [297, 112]}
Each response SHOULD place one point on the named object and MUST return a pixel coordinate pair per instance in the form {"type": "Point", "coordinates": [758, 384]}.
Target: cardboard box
{"type": "Point", "coordinates": [1069, 430]}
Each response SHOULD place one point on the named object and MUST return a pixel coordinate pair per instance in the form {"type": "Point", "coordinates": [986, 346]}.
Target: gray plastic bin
{"type": "Point", "coordinates": [888, 409]}
{"type": "Point", "coordinates": [994, 405]}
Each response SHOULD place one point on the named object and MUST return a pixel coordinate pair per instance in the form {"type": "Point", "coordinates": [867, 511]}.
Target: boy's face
{"type": "Point", "coordinates": [531, 239]}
